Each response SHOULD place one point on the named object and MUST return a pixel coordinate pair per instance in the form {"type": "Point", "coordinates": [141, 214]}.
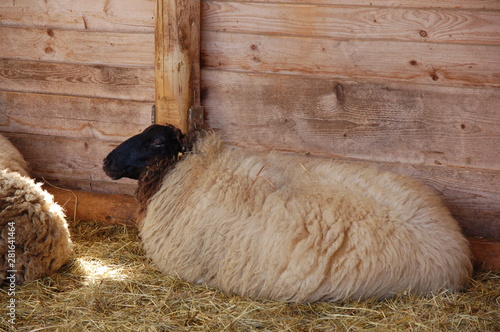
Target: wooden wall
{"type": "Point", "coordinates": [76, 78]}
{"type": "Point", "coordinates": [411, 86]}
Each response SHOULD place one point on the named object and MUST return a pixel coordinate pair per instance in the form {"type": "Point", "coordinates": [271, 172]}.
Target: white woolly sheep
{"type": "Point", "coordinates": [284, 227]}
{"type": "Point", "coordinates": [34, 240]}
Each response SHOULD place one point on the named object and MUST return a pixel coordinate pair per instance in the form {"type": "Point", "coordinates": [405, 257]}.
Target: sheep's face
{"type": "Point", "coordinates": [131, 157]}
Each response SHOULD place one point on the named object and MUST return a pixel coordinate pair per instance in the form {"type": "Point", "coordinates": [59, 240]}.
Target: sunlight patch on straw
{"type": "Point", "coordinates": [94, 270]}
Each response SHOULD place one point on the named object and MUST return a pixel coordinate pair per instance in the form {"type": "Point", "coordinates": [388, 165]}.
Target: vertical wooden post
{"type": "Point", "coordinates": [177, 60]}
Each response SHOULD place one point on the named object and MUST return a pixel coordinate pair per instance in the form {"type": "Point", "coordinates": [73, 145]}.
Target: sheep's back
{"type": "Point", "coordinates": [301, 229]}
{"type": "Point", "coordinates": [30, 220]}
{"type": "Point", "coordinates": [11, 158]}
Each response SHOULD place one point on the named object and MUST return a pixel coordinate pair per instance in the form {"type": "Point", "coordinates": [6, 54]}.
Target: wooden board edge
{"type": "Point", "coordinates": [107, 208]}
{"type": "Point", "coordinates": [120, 208]}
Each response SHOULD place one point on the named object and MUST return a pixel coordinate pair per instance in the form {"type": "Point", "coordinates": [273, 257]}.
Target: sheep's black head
{"type": "Point", "coordinates": [131, 157]}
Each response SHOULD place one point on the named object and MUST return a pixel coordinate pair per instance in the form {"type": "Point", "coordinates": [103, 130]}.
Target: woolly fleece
{"type": "Point", "coordinates": [301, 229]}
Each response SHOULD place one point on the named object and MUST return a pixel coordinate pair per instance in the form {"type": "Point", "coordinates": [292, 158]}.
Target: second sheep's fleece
{"type": "Point", "coordinates": [34, 239]}
{"type": "Point", "coordinates": [11, 158]}
{"type": "Point", "coordinates": [285, 227]}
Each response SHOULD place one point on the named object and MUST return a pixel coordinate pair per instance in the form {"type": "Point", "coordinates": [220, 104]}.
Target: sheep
{"type": "Point", "coordinates": [287, 227]}
{"type": "Point", "coordinates": [34, 241]}
{"type": "Point", "coordinates": [11, 158]}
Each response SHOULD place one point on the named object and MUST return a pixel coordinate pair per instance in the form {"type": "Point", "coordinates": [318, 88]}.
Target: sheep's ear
{"type": "Point", "coordinates": [179, 137]}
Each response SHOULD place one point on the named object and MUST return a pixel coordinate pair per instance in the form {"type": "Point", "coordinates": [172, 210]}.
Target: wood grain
{"type": "Point", "coordinates": [456, 4]}
{"type": "Point", "coordinates": [62, 157]}
{"type": "Point", "coordinates": [75, 117]}
{"type": "Point", "coordinates": [105, 48]}
{"type": "Point", "coordinates": [381, 61]}
{"type": "Point", "coordinates": [412, 124]}
{"type": "Point", "coordinates": [101, 15]}
{"type": "Point", "coordinates": [353, 22]}
{"type": "Point", "coordinates": [177, 58]}
{"type": "Point", "coordinates": [77, 80]}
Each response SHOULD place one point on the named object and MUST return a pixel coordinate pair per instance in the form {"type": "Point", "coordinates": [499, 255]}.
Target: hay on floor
{"type": "Point", "coordinates": [110, 286]}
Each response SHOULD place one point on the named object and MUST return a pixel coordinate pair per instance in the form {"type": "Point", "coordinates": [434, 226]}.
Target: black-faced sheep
{"type": "Point", "coordinates": [34, 239]}
{"type": "Point", "coordinates": [284, 227]}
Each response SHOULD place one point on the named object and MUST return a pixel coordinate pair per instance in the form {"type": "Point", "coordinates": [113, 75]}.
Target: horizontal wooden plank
{"type": "Point", "coordinates": [78, 80]}
{"type": "Point", "coordinates": [121, 187]}
{"type": "Point", "coordinates": [486, 254]}
{"type": "Point", "coordinates": [457, 4]}
{"type": "Point", "coordinates": [105, 48]}
{"type": "Point", "coordinates": [402, 24]}
{"type": "Point", "coordinates": [110, 15]}
{"type": "Point", "coordinates": [75, 117]}
{"type": "Point", "coordinates": [405, 123]}
{"type": "Point", "coordinates": [81, 205]}
{"type": "Point", "coordinates": [387, 61]}
{"type": "Point", "coordinates": [60, 157]}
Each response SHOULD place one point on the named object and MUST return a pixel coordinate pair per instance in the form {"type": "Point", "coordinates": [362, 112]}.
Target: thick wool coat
{"type": "Point", "coordinates": [34, 239]}
{"type": "Point", "coordinates": [302, 229]}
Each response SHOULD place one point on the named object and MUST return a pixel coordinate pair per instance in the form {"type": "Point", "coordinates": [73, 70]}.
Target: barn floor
{"type": "Point", "coordinates": [110, 286]}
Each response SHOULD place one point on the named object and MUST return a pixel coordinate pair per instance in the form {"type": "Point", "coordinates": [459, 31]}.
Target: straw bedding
{"type": "Point", "coordinates": [110, 286]}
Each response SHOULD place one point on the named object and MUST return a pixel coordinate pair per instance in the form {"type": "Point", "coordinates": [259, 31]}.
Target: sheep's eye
{"type": "Point", "coordinates": [157, 143]}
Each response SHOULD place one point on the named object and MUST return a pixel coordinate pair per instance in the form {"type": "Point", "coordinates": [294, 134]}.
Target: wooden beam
{"type": "Point", "coordinates": [359, 59]}
{"type": "Point", "coordinates": [352, 22]}
{"type": "Point", "coordinates": [104, 119]}
{"type": "Point", "coordinates": [486, 253]}
{"type": "Point", "coordinates": [109, 208]}
{"type": "Point", "coordinates": [71, 79]}
{"type": "Point", "coordinates": [177, 60]}
{"type": "Point", "coordinates": [85, 47]}
{"type": "Point", "coordinates": [94, 15]}
{"type": "Point", "coordinates": [464, 4]}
